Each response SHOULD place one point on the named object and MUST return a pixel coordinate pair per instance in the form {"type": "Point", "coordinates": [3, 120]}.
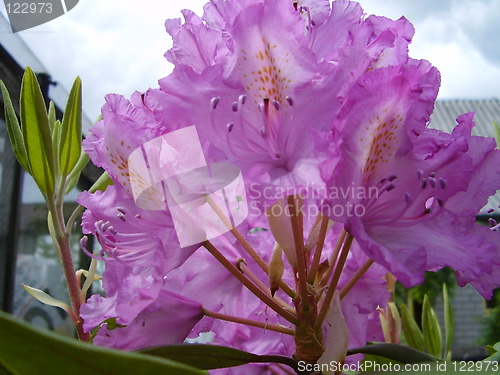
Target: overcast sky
{"type": "Point", "coordinates": [118, 45]}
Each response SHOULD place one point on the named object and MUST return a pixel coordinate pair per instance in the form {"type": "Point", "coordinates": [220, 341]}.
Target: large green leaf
{"type": "Point", "coordinates": [36, 133]}
{"type": "Point", "coordinates": [25, 350]}
{"type": "Point", "coordinates": [396, 352]}
{"type": "Point", "coordinates": [14, 130]}
{"type": "Point", "coordinates": [431, 329]}
{"type": "Point", "coordinates": [71, 137]}
{"type": "Point", "coordinates": [208, 357]}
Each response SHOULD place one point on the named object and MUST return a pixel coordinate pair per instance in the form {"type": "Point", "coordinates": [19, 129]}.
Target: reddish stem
{"type": "Point", "coordinates": [72, 284]}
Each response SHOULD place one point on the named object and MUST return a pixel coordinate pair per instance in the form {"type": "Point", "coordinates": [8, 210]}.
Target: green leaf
{"type": "Point", "coordinates": [102, 183]}
{"type": "Point", "coordinates": [51, 115]}
{"type": "Point", "coordinates": [74, 176]}
{"type": "Point", "coordinates": [14, 130]}
{"type": "Point", "coordinates": [431, 329]}
{"type": "Point", "coordinates": [27, 350]}
{"type": "Point", "coordinates": [43, 297]}
{"type": "Point", "coordinates": [411, 330]}
{"type": "Point", "coordinates": [6, 370]}
{"type": "Point", "coordinates": [56, 142]}
{"type": "Point", "coordinates": [208, 357]}
{"type": "Point", "coordinates": [449, 325]}
{"type": "Point", "coordinates": [71, 137]}
{"type": "Point", "coordinates": [491, 348]}
{"type": "Point", "coordinates": [36, 133]}
{"type": "Point", "coordinates": [396, 352]}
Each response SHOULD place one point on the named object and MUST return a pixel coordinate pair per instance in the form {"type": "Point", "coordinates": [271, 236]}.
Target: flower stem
{"type": "Point", "coordinates": [248, 322]}
{"type": "Point", "coordinates": [358, 275]}
{"type": "Point", "coordinates": [319, 249]}
{"type": "Point", "coordinates": [72, 284]}
{"type": "Point", "coordinates": [299, 251]}
{"type": "Point", "coordinates": [63, 241]}
{"type": "Point", "coordinates": [271, 302]}
{"type": "Point", "coordinates": [335, 279]}
{"type": "Point", "coordinates": [246, 245]}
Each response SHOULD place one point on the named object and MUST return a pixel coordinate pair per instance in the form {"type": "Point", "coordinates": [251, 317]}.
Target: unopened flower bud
{"type": "Point", "coordinates": [276, 268]}
{"type": "Point", "coordinates": [281, 228]}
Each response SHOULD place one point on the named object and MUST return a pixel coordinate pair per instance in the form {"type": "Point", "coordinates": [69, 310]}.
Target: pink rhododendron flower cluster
{"type": "Point", "coordinates": [327, 117]}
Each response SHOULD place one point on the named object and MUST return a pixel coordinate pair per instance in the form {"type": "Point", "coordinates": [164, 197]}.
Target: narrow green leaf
{"type": "Point", "coordinates": [385, 327]}
{"type": "Point", "coordinates": [56, 142]}
{"type": "Point", "coordinates": [53, 233]}
{"type": "Point", "coordinates": [209, 357]}
{"type": "Point", "coordinates": [74, 176]}
{"type": "Point", "coordinates": [496, 125]}
{"type": "Point", "coordinates": [71, 137]}
{"type": "Point", "coordinates": [14, 130]}
{"type": "Point", "coordinates": [43, 297]}
{"type": "Point", "coordinates": [396, 352]}
{"type": "Point", "coordinates": [51, 116]}
{"type": "Point", "coordinates": [431, 329]}
{"type": "Point", "coordinates": [36, 133]}
{"type": "Point", "coordinates": [449, 324]}
{"type": "Point", "coordinates": [411, 330]}
{"type": "Point", "coordinates": [90, 277]}
{"type": "Point", "coordinates": [25, 349]}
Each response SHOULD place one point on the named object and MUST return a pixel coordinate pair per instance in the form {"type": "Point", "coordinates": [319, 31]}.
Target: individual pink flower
{"type": "Point", "coordinates": [404, 185]}
{"type": "Point", "coordinates": [266, 95]}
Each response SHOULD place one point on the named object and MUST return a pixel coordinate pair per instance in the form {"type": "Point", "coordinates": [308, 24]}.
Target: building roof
{"type": "Point", "coordinates": [487, 112]}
